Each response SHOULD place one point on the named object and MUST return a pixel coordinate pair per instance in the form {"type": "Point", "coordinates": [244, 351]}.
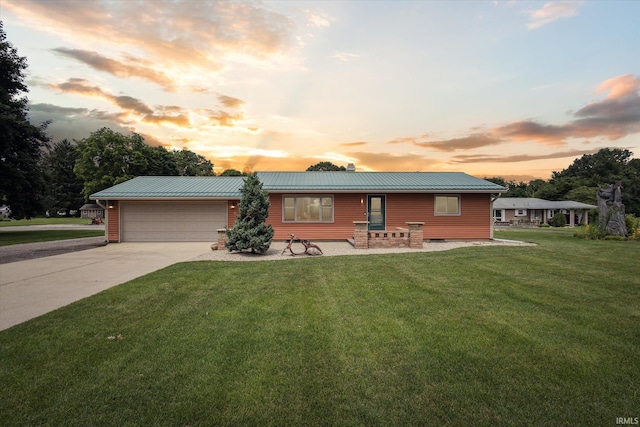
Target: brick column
{"type": "Point", "coordinates": [361, 234]}
{"type": "Point", "coordinates": [222, 238]}
{"type": "Point", "coordinates": [416, 234]}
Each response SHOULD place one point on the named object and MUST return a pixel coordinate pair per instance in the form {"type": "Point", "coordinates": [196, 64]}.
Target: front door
{"type": "Point", "coordinates": [376, 212]}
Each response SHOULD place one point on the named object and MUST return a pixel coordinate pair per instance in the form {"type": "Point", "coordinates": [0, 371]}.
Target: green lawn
{"type": "Point", "coordinates": [43, 221]}
{"type": "Point", "coordinates": [31, 236]}
{"type": "Point", "coordinates": [541, 336]}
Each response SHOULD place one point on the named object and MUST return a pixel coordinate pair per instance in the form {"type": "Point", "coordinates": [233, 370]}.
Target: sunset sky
{"type": "Point", "coordinates": [516, 89]}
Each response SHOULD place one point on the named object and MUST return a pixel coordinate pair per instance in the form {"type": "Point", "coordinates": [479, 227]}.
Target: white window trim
{"type": "Point", "coordinates": [435, 203]}
{"type": "Point", "coordinates": [521, 212]}
{"type": "Point", "coordinates": [296, 196]}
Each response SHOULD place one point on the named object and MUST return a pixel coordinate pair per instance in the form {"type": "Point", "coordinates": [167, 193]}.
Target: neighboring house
{"type": "Point", "coordinates": [528, 210]}
{"type": "Point", "coordinates": [312, 205]}
{"type": "Point", "coordinates": [91, 210]}
{"type": "Point", "coordinates": [5, 211]}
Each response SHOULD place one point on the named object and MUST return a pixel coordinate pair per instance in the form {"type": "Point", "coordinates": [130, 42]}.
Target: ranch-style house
{"type": "Point", "coordinates": [312, 205]}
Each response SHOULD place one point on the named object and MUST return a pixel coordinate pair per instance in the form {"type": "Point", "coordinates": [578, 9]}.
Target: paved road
{"type": "Point", "coordinates": [25, 251]}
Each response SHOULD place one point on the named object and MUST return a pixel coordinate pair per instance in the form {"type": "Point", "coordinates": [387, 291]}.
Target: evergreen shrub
{"type": "Point", "coordinates": [558, 220]}
{"type": "Point", "coordinates": [250, 232]}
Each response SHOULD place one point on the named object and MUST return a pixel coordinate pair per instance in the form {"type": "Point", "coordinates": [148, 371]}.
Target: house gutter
{"type": "Point", "coordinates": [100, 204]}
{"type": "Point", "coordinates": [106, 220]}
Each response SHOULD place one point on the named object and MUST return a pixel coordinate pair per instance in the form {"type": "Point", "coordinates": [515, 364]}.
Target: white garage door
{"type": "Point", "coordinates": [191, 221]}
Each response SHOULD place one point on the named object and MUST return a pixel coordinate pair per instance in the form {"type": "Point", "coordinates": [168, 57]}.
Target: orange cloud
{"type": "Point", "coordinates": [616, 116]}
{"type": "Point", "coordinates": [483, 158]}
{"type": "Point", "coordinates": [126, 103]}
{"type": "Point", "coordinates": [353, 144]}
{"type": "Point", "coordinates": [222, 118]}
{"type": "Point", "coordinates": [204, 35]}
{"type": "Point", "coordinates": [620, 86]}
{"type": "Point", "coordinates": [448, 145]}
{"type": "Point", "coordinates": [79, 86]}
{"type": "Point", "coordinates": [180, 120]}
{"type": "Point", "coordinates": [118, 68]}
{"type": "Point", "coordinates": [230, 102]}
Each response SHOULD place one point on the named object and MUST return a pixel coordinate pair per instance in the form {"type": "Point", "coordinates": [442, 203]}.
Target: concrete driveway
{"type": "Point", "coordinates": [34, 287]}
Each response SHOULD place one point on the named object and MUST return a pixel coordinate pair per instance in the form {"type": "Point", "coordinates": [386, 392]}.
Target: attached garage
{"type": "Point", "coordinates": [194, 208]}
{"type": "Point", "coordinates": [172, 221]}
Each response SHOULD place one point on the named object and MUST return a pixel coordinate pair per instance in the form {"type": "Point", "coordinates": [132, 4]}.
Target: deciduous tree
{"type": "Point", "coordinates": [192, 164]}
{"type": "Point", "coordinates": [232, 172]}
{"type": "Point", "coordinates": [21, 143]}
{"type": "Point", "coordinates": [108, 158]}
{"type": "Point", "coordinates": [325, 167]}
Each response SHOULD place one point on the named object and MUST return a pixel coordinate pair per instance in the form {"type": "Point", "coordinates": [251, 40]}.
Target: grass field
{"type": "Point", "coordinates": [546, 335]}
{"type": "Point", "coordinates": [31, 236]}
{"type": "Point", "coordinates": [44, 221]}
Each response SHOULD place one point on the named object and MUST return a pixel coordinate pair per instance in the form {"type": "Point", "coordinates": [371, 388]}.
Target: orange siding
{"type": "Point", "coordinates": [113, 221]}
{"type": "Point", "coordinates": [474, 222]}
{"type": "Point", "coordinates": [232, 212]}
{"type": "Point", "coordinates": [346, 209]}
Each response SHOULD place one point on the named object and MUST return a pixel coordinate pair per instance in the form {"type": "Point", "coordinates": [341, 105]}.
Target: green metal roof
{"type": "Point", "coordinates": [375, 181]}
{"type": "Point", "coordinates": [165, 187]}
{"type": "Point", "coordinates": [177, 187]}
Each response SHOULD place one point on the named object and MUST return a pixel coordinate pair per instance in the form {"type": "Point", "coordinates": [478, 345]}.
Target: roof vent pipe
{"type": "Point", "coordinates": [351, 167]}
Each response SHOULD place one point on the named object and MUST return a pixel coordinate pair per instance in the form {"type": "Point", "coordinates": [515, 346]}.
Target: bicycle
{"type": "Point", "coordinates": [306, 243]}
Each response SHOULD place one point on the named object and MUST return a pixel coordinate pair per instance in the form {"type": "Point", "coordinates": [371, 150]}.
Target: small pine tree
{"type": "Point", "coordinates": [250, 230]}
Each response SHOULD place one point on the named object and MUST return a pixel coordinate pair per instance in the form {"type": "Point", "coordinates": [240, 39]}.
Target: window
{"type": "Point", "coordinates": [497, 215]}
{"type": "Point", "coordinates": [447, 205]}
{"type": "Point", "coordinates": [307, 208]}
{"type": "Point", "coordinates": [521, 212]}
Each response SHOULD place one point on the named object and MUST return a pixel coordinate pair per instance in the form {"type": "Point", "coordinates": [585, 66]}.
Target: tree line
{"type": "Point", "coordinates": [74, 171]}
{"type": "Point", "coordinates": [582, 178]}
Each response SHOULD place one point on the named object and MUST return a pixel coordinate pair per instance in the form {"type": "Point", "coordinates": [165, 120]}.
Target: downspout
{"type": "Point", "coordinates": [106, 220]}
{"type": "Point", "coordinates": [492, 220]}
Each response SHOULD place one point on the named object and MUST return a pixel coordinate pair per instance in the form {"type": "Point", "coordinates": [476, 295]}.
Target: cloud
{"type": "Point", "coordinates": [128, 104]}
{"type": "Point", "coordinates": [73, 123]}
{"type": "Point", "coordinates": [552, 11]}
{"type": "Point", "coordinates": [179, 120]}
{"type": "Point", "coordinates": [177, 37]}
{"type": "Point", "coordinates": [344, 56]}
{"type": "Point", "coordinates": [78, 86]}
{"type": "Point", "coordinates": [483, 158]}
{"type": "Point", "coordinates": [476, 140]}
{"type": "Point", "coordinates": [318, 19]}
{"type": "Point", "coordinates": [615, 117]}
{"type": "Point", "coordinates": [221, 118]}
{"type": "Point", "coordinates": [230, 102]}
{"type": "Point", "coordinates": [353, 144]}
{"type": "Point", "coordinates": [118, 68]}
{"type": "Point", "coordinates": [529, 130]}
